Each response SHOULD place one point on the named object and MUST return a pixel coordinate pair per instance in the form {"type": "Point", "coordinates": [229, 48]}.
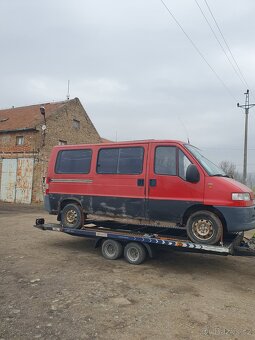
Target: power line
{"type": "Point", "coordinates": [198, 50]}
{"type": "Point", "coordinates": [223, 49]}
{"type": "Point", "coordinates": [217, 25]}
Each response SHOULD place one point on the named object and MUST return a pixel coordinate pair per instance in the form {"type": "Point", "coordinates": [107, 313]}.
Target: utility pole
{"type": "Point", "coordinates": [246, 108]}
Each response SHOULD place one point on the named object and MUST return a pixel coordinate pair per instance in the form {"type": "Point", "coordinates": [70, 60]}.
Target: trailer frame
{"type": "Point", "coordinates": [150, 238]}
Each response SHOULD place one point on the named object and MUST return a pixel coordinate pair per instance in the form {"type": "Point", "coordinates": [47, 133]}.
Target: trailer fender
{"type": "Point", "coordinates": [151, 251]}
{"type": "Point", "coordinates": [98, 242]}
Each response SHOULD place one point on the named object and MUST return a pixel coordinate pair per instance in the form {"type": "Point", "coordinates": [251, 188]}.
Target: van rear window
{"type": "Point", "coordinates": [120, 161]}
{"type": "Point", "coordinates": [73, 162]}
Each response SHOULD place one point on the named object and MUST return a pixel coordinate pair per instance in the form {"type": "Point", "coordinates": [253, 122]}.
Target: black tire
{"type": "Point", "coordinates": [111, 249]}
{"type": "Point", "coordinates": [71, 216]}
{"type": "Point", "coordinates": [135, 253]}
{"type": "Point", "coordinates": [204, 227]}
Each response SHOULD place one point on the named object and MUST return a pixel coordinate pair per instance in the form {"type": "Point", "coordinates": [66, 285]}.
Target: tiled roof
{"type": "Point", "coordinates": [26, 117]}
{"type": "Point", "coordinates": [104, 140]}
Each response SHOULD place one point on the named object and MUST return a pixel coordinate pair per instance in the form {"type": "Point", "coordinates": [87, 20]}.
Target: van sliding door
{"type": "Point", "coordinates": [119, 183]}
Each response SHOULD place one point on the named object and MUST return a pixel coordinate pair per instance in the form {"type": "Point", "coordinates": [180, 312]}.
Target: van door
{"type": "Point", "coordinates": [119, 183]}
{"type": "Point", "coordinates": [169, 194]}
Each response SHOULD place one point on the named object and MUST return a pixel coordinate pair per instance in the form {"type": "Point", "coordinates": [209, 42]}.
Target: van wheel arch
{"type": "Point", "coordinates": [66, 201]}
{"type": "Point", "coordinates": [201, 207]}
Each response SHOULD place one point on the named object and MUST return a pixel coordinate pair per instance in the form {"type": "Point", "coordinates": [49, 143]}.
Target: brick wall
{"type": "Point", "coordinates": [60, 126]}
{"type": "Point", "coordinates": [8, 142]}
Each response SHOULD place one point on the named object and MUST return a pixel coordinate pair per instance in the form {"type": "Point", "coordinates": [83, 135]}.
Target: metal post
{"type": "Point", "coordinates": [43, 112]}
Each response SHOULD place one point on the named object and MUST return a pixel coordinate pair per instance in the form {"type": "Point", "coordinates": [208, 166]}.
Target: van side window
{"type": "Point", "coordinates": [165, 160]}
{"type": "Point", "coordinates": [184, 162]}
{"type": "Point", "coordinates": [120, 161]}
{"type": "Point", "coordinates": [73, 162]}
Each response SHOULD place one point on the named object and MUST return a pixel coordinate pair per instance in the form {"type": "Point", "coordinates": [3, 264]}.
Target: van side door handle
{"type": "Point", "coordinates": [140, 182]}
{"type": "Point", "coordinates": [153, 182]}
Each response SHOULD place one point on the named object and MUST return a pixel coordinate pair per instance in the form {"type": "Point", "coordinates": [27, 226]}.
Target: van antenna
{"type": "Point", "coordinates": [185, 128]}
{"type": "Point", "coordinates": [68, 88]}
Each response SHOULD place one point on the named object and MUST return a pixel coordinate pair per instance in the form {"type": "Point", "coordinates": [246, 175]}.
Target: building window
{"type": "Point", "coordinates": [76, 124]}
{"type": "Point", "coordinates": [73, 162]}
{"type": "Point", "coordinates": [120, 161]}
{"type": "Point", "coordinates": [62, 142]}
{"type": "Point", "coordinates": [19, 140]}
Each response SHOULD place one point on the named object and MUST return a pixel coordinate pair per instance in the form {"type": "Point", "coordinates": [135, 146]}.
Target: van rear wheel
{"type": "Point", "coordinates": [204, 227]}
{"type": "Point", "coordinates": [71, 216]}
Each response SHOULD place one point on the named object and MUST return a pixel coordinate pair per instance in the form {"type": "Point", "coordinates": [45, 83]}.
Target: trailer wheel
{"type": "Point", "coordinates": [204, 227]}
{"type": "Point", "coordinates": [135, 253]}
{"type": "Point", "coordinates": [111, 249]}
{"type": "Point", "coordinates": [71, 216]}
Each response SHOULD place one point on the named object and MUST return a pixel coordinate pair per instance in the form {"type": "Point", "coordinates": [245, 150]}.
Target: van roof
{"type": "Point", "coordinates": [121, 143]}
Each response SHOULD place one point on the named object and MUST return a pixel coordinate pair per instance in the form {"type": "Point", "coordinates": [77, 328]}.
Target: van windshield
{"type": "Point", "coordinates": [211, 168]}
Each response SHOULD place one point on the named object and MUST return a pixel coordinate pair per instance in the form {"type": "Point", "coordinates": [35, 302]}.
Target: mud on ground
{"type": "Point", "coordinates": [55, 286]}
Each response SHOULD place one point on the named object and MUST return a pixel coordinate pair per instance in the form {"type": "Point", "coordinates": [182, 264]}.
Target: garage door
{"type": "Point", "coordinates": [17, 179]}
{"type": "Point", "coordinates": [8, 181]}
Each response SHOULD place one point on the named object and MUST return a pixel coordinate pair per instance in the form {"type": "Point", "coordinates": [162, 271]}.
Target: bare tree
{"type": "Point", "coordinates": [251, 181]}
{"type": "Point", "coordinates": [230, 169]}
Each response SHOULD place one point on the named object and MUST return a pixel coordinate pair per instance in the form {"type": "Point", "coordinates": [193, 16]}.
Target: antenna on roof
{"type": "Point", "coordinates": [185, 129]}
{"type": "Point", "coordinates": [68, 92]}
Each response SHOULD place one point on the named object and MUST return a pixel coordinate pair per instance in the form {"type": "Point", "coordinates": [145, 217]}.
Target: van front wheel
{"type": "Point", "coordinates": [71, 216]}
{"type": "Point", "coordinates": [204, 227]}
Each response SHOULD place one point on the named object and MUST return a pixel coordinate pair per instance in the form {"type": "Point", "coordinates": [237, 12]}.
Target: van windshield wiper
{"type": "Point", "coordinates": [220, 175]}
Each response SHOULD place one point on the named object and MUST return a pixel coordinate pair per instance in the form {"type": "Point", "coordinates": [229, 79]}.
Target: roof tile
{"type": "Point", "coordinates": [26, 117]}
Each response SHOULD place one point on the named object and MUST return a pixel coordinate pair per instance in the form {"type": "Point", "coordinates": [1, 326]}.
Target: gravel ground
{"type": "Point", "coordinates": [55, 286]}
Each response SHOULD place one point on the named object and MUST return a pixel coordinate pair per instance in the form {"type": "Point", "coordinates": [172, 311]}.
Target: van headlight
{"type": "Point", "coordinates": [245, 196]}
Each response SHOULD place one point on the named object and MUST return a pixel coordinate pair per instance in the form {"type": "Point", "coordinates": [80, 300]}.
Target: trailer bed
{"type": "Point", "coordinates": [169, 237]}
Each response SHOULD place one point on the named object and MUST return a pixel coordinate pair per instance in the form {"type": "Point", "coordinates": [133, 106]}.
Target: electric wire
{"type": "Point", "coordinates": [198, 50]}
{"type": "Point", "coordinates": [225, 41]}
{"type": "Point", "coordinates": [222, 47]}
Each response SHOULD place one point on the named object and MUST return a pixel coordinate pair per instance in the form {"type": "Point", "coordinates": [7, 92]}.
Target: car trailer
{"type": "Point", "coordinates": [137, 242]}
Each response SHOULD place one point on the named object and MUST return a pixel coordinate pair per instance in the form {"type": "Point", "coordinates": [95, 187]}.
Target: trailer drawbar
{"type": "Point", "coordinates": [136, 242]}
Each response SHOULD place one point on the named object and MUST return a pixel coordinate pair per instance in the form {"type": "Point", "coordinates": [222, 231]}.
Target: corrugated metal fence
{"type": "Point", "coordinates": [17, 180]}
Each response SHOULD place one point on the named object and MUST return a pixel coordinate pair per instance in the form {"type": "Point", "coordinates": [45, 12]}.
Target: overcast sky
{"type": "Point", "coordinates": [135, 72]}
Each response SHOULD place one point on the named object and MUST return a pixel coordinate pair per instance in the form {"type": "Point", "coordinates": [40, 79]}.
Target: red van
{"type": "Point", "coordinates": [159, 182]}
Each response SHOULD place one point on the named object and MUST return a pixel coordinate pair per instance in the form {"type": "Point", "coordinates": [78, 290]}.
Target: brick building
{"type": "Point", "coordinates": [26, 139]}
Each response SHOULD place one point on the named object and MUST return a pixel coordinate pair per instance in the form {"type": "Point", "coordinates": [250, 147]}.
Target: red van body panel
{"type": "Point", "coordinates": [218, 191]}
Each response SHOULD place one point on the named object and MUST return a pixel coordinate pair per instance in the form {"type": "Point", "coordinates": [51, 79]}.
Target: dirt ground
{"type": "Point", "coordinates": [55, 286]}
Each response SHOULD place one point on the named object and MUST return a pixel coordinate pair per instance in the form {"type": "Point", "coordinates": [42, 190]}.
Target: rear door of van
{"type": "Point", "coordinates": [69, 175]}
{"type": "Point", "coordinates": [169, 194]}
{"type": "Point", "coordinates": [119, 182]}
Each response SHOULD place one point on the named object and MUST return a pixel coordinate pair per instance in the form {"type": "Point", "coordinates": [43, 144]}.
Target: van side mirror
{"type": "Point", "coordinates": [192, 174]}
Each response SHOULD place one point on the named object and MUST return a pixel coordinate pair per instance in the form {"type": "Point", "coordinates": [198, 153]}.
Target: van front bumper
{"type": "Point", "coordinates": [238, 218]}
